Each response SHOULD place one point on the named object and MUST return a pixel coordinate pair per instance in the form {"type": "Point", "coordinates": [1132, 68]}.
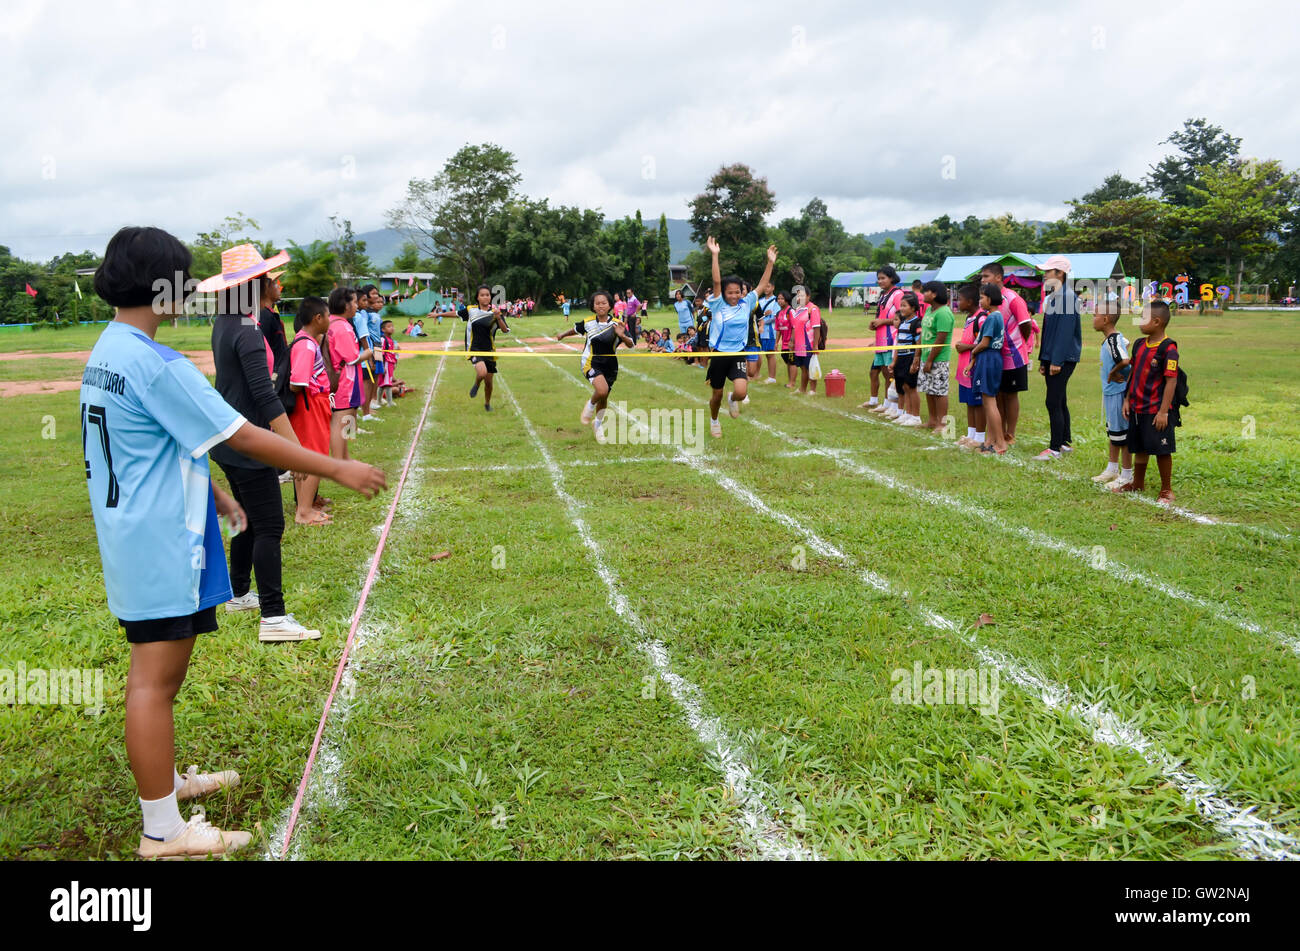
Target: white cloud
{"type": "Point", "coordinates": [179, 114]}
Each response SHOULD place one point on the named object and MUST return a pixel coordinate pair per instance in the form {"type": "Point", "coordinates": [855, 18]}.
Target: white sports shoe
{"type": "Point", "coordinates": [912, 421]}
{"type": "Point", "coordinates": [770, 379]}
{"type": "Point", "coordinates": [199, 840]}
{"type": "Point", "coordinates": [248, 602]}
{"type": "Point", "coordinates": [745, 401]}
{"type": "Point", "coordinates": [194, 783]}
{"type": "Point", "coordinates": [715, 428]}
{"type": "Point", "coordinates": [284, 628]}
{"type": "Point", "coordinates": [374, 404]}
{"type": "Point", "coordinates": [599, 430]}
{"type": "Point", "coordinates": [1108, 476]}
{"type": "Point", "coordinates": [371, 418]}
{"type": "Point", "coordinates": [732, 409]}
{"type": "Point", "coordinates": [588, 411]}
{"type": "Point", "coordinates": [1120, 482]}
{"type": "Point", "coordinates": [892, 412]}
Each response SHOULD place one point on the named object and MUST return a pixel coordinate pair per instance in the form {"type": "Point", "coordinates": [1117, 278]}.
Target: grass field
{"type": "Point", "coordinates": [634, 651]}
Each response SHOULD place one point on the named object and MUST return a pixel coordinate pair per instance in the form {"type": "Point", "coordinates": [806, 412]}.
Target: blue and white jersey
{"type": "Point", "coordinates": [376, 320]}
{"type": "Point", "coordinates": [683, 308]}
{"type": "Point", "coordinates": [1114, 351]}
{"type": "Point", "coordinates": [729, 324]}
{"type": "Point", "coordinates": [148, 419]}
{"type": "Point", "coordinates": [565, 308]}
{"type": "Point", "coordinates": [769, 308]}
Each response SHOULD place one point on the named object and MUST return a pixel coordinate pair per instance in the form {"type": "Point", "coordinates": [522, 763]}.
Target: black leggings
{"type": "Point", "coordinates": [1058, 410]}
{"type": "Point", "coordinates": [257, 548]}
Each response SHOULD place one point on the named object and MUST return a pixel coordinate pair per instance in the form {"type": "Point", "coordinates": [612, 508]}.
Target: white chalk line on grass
{"type": "Point", "coordinates": [593, 463]}
{"type": "Point", "coordinates": [326, 784]}
{"type": "Point", "coordinates": [772, 839]}
{"type": "Point", "coordinates": [1036, 538]}
{"type": "Point", "coordinates": [1255, 837]}
{"type": "Point", "coordinates": [1046, 468]}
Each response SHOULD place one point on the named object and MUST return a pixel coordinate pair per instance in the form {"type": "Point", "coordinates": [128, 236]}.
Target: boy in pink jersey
{"type": "Point", "coordinates": [346, 356]}
{"type": "Point", "coordinates": [968, 306]}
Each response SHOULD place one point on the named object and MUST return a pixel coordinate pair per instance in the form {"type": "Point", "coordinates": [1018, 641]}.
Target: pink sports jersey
{"type": "Point", "coordinates": [307, 366]}
{"type": "Point", "coordinates": [1014, 312]}
{"type": "Point", "coordinates": [887, 309]}
{"type": "Point", "coordinates": [799, 332]}
{"type": "Point", "coordinates": [968, 334]}
{"type": "Point", "coordinates": [343, 354]}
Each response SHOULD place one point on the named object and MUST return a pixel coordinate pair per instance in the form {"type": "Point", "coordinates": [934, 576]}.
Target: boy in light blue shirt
{"type": "Point", "coordinates": [1115, 367]}
{"type": "Point", "coordinates": [148, 419]}
{"type": "Point", "coordinates": [728, 335]}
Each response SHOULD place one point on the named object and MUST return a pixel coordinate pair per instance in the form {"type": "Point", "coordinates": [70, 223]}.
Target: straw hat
{"type": "Point", "coordinates": [242, 263]}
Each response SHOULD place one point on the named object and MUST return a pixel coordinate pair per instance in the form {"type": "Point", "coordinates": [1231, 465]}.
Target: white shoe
{"type": "Point", "coordinates": [879, 409]}
{"type": "Point", "coordinates": [374, 404]}
{"type": "Point", "coordinates": [364, 432]}
{"type": "Point", "coordinates": [286, 477]}
{"type": "Point", "coordinates": [892, 412]}
{"type": "Point", "coordinates": [913, 421]}
{"type": "Point", "coordinates": [770, 379]}
{"type": "Point", "coordinates": [194, 783]}
{"type": "Point", "coordinates": [745, 401]}
{"type": "Point", "coordinates": [588, 411]}
{"type": "Point", "coordinates": [371, 418]}
{"type": "Point", "coordinates": [1120, 482]}
{"type": "Point", "coordinates": [199, 840]}
{"type": "Point", "coordinates": [732, 409]}
{"type": "Point", "coordinates": [1108, 476]}
{"type": "Point", "coordinates": [285, 628]}
{"type": "Point", "coordinates": [248, 602]}
{"type": "Point", "coordinates": [715, 429]}
{"type": "Point", "coordinates": [599, 430]}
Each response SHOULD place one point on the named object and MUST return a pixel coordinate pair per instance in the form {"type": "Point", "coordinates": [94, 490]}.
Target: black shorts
{"type": "Point", "coordinates": [903, 375]}
{"type": "Point", "coordinates": [1015, 380]}
{"type": "Point", "coordinates": [171, 628]}
{"type": "Point", "coordinates": [722, 369]}
{"type": "Point", "coordinates": [488, 361]}
{"type": "Point", "coordinates": [787, 358]}
{"type": "Point", "coordinates": [607, 367]}
{"type": "Point", "coordinates": [1144, 439]}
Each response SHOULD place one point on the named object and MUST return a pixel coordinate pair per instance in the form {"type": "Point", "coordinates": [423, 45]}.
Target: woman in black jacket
{"type": "Point", "coordinates": [244, 365]}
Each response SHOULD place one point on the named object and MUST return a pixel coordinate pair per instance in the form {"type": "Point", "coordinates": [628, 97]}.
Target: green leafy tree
{"type": "Point", "coordinates": [733, 208]}
{"type": "Point", "coordinates": [1115, 188]}
{"type": "Point", "coordinates": [1142, 229]}
{"type": "Point", "coordinates": [409, 260]}
{"type": "Point", "coordinates": [207, 247]}
{"type": "Point", "coordinates": [353, 262]}
{"type": "Point", "coordinates": [312, 269]}
{"type": "Point", "coordinates": [446, 216]}
{"type": "Point", "coordinates": [658, 272]}
{"type": "Point", "coordinates": [1200, 145]}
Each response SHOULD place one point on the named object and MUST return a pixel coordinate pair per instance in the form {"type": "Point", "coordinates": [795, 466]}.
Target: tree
{"type": "Point", "coordinates": [1234, 211]}
{"type": "Point", "coordinates": [353, 262]}
{"type": "Point", "coordinates": [311, 270]}
{"type": "Point", "coordinates": [207, 247]}
{"type": "Point", "coordinates": [1201, 145]}
{"type": "Point", "coordinates": [445, 216]}
{"type": "Point", "coordinates": [1142, 229]}
{"type": "Point", "coordinates": [1115, 188]}
{"type": "Point", "coordinates": [534, 250]}
{"type": "Point", "coordinates": [409, 260]}
{"type": "Point", "coordinates": [662, 258]}
{"type": "Point", "coordinates": [733, 208]}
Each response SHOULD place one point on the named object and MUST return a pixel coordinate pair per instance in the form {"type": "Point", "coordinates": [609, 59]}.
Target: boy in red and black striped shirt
{"type": "Point", "coordinates": [1148, 401]}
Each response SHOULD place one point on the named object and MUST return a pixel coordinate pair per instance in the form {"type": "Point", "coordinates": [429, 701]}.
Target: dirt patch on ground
{"type": "Point", "coordinates": [201, 359]}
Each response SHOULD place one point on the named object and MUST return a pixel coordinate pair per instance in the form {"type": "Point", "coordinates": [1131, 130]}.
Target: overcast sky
{"type": "Point", "coordinates": [177, 114]}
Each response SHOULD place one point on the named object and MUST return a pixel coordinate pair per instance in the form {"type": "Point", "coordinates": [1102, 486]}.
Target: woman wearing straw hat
{"type": "Point", "coordinates": [244, 365]}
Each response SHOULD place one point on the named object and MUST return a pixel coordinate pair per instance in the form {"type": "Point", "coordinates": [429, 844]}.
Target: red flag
{"type": "Point", "coordinates": [31, 290]}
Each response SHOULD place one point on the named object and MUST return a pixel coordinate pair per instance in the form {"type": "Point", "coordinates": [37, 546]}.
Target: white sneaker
{"type": "Point", "coordinates": [286, 477]}
{"type": "Point", "coordinates": [371, 418]}
{"type": "Point", "coordinates": [892, 412]}
{"type": "Point", "coordinates": [1108, 476]}
{"type": "Point", "coordinates": [194, 783]}
{"type": "Point", "coordinates": [879, 409]}
{"type": "Point", "coordinates": [599, 430]}
{"type": "Point", "coordinates": [732, 409]}
{"type": "Point", "coordinates": [364, 432]}
{"type": "Point", "coordinates": [199, 840]}
{"type": "Point", "coordinates": [285, 628]}
{"type": "Point", "coordinates": [247, 603]}
{"type": "Point", "coordinates": [745, 401]}
{"type": "Point", "coordinates": [913, 421]}
{"type": "Point", "coordinates": [1120, 482]}
{"type": "Point", "coordinates": [770, 379]}
{"type": "Point", "coordinates": [374, 404]}
{"type": "Point", "coordinates": [715, 429]}
{"type": "Point", "coordinates": [588, 411]}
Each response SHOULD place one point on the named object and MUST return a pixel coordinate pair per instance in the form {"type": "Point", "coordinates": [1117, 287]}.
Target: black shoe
{"type": "Point", "coordinates": [488, 407]}
{"type": "Point", "coordinates": [473, 390]}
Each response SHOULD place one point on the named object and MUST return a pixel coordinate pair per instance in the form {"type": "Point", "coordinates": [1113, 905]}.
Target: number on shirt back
{"type": "Point", "coordinates": [95, 416]}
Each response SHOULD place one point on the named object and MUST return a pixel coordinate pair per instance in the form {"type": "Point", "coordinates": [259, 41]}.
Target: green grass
{"type": "Point", "coordinates": [502, 709]}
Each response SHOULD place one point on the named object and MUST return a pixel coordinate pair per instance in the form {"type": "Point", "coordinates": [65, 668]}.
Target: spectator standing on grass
{"type": "Point", "coordinates": [784, 327]}
{"type": "Point", "coordinates": [1016, 354]}
{"type": "Point", "coordinates": [968, 297]}
{"type": "Point", "coordinates": [239, 353]}
{"type": "Point", "coordinates": [156, 515]}
{"type": "Point", "coordinates": [986, 368]}
{"type": "Point", "coordinates": [683, 308]}
{"type": "Point", "coordinates": [1115, 365]}
{"type": "Point", "coordinates": [1149, 403]}
{"type": "Point", "coordinates": [905, 373]}
{"type": "Point", "coordinates": [268, 318]}
{"type": "Point", "coordinates": [931, 364]}
{"type": "Point", "coordinates": [883, 324]}
{"type": "Point", "coordinates": [309, 380]}
{"type": "Point", "coordinates": [802, 340]}
{"type": "Point", "coordinates": [343, 350]}
{"type": "Point", "coordinates": [1059, 350]}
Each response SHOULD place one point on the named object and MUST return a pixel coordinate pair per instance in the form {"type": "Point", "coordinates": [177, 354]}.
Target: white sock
{"type": "Point", "coordinates": [980, 436]}
{"type": "Point", "coordinates": [1112, 467]}
{"type": "Point", "coordinates": [600, 418]}
{"type": "Point", "coordinates": [874, 402]}
{"type": "Point", "coordinates": [970, 432]}
{"type": "Point", "coordinates": [162, 818]}
{"type": "Point", "coordinates": [1126, 473]}
{"type": "Point", "coordinates": [177, 782]}
{"type": "Point", "coordinates": [591, 405]}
